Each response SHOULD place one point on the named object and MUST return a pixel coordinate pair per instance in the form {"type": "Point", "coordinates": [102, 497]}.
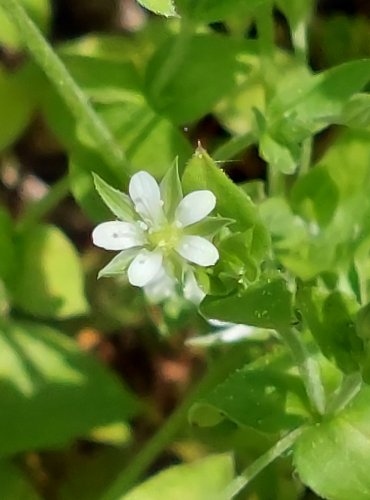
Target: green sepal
{"type": "Point", "coordinates": [118, 264]}
{"type": "Point", "coordinates": [171, 190]}
{"type": "Point", "coordinates": [119, 203]}
{"type": "Point", "coordinates": [208, 226]}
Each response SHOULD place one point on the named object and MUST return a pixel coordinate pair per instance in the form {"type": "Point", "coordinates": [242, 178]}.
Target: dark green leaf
{"type": "Point", "coordinates": [51, 392]}
{"type": "Point", "coordinates": [211, 10]}
{"type": "Point", "coordinates": [267, 304]}
{"type": "Point", "coordinates": [266, 399]}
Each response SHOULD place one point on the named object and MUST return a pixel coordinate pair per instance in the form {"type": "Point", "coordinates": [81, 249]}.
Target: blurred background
{"type": "Point", "coordinates": [141, 343]}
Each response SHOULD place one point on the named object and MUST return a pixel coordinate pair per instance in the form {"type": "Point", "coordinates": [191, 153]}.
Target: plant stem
{"type": "Point", "coordinates": [37, 210]}
{"type": "Point", "coordinates": [67, 88]}
{"type": "Point", "coordinates": [235, 145]}
{"type": "Point", "coordinates": [261, 463]}
{"type": "Point", "coordinates": [308, 368]}
{"type": "Point", "coordinates": [169, 430]}
{"type": "Point", "coordinates": [265, 29]}
{"type": "Point", "coordinates": [348, 390]}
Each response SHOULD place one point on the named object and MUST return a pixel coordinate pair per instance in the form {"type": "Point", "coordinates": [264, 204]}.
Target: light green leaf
{"type": "Point", "coordinates": [49, 278]}
{"type": "Point", "coordinates": [332, 457]}
{"type": "Point", "coordinates": [356, 112]}
{"type": "Point", "coordinates": [119, 203]}
{"type": "Point", "coordinates": [202, 173]}
{"type": "Point", "coordinates": [162, 7]}
{"type": "Point", "coordinates": [208, 226]}
{"type": "Point", "coordinates": [267, 304]}
{"type": "Point", "coordinates": [211, 11]}
{"type": "Point", "coordinates": [40, 13]}
{"type": "Point", "coordinates": [51, 391]}
{"type": "Point", "coordinates": [203, 479]}
{"type": "Point", "coordinates": [277, 155]}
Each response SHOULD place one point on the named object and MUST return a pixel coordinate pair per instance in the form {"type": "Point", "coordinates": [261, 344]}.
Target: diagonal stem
{"type": "Point", "coordinates": [67, 88]}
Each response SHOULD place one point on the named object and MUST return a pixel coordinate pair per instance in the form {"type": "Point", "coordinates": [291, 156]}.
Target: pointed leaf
{"type": "Point", "coordinates": [171, 190]}
{"type": "Point", "coordinates": [163, 7]}
{"type": "Point", "coordinates": [119, 264]}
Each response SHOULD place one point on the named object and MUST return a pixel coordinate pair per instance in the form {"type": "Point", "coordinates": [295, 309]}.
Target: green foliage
{"type": "Point", "coordinates": [331, 457]}
{"type": "Point", "coordinates": [51, 391]}
{"type": "Point", "coordinates": [291, 274]}
{"type": "Point", "coordinates": [48, 280]}
{"type": "Point", "coordinates": [201, 479]}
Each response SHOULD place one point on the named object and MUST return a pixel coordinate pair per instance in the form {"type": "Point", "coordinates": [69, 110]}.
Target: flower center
{"type": "Point", "coordinates": [166, 238]}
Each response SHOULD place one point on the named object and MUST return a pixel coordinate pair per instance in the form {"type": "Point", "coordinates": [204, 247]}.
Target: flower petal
{"type": "Point", "coordinates": [144, 267]}
{"type": "Point", "coordinates": [161, 287]}
{"type": "Point", "coordinates": [117, 235]}
{"type": "Point", "coordinates": [198, 250]}
{"type": "Point", "coordinates": [195, 206]}
{"type": "Point", "coordinates": [192, 290]}
{"type": "Point", "coordinates": [146, 195]}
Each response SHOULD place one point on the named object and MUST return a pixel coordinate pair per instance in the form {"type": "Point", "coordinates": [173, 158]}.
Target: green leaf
{"type": "Point", "coordinates": [49, 278]}
{"type": "Point", "coordinates": [267, 304]}
{"type": "Point", "coordinates": [267, 399]}
{"type": "Point", "coordinates": [295, 10]}
{"type": "Point", "coordinates": [356, 112]}
{"type": "Point", "coordinates": [119, 203]}
{"type": "Point", "coordinates": [332, 457]}
{"type": "Point", "coordinates": [162, 7]}
{"type": "Point", "coordinates": [198, 84]}
{"type": "Point", "coordinates": [171, 190]}
{"type": "Point", "coordinates": [307, 103]}
{"type": "Point", "coordinates": [51, 391]}
{"type": "Point", "coordinates": [202, 173]}
{"type": "Point", "coordinates": [210, 11]}
{"type": "Point", "coordinates": [279, 156]}
{"type": "Point", "coordinates": [14, 485]}
{"type": "Point", "coordinates": [119, 264]}
{"type": "Point", "coordinates": [40, 13]}
{"type": "Point", "coordinates": [315, 196]}
{"type": "Point", "coordinates": [205, 478]}
{"type": "Point", "coordinates": [16, 106]}
{"type": "Point", "coordinates": [331, 319]}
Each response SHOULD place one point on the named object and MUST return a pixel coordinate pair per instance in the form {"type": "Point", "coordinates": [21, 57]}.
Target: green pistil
{"type": "Point", "coordinates": [166, 238]}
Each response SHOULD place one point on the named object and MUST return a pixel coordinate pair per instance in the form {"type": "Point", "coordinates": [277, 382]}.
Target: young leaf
{"type": "Point", "coordinates": [119, 264]}
{"type": "Point", "coordinates": [332, 457]}
{"type": "Point", "coordinates": [266, 304]}
{"type": "Point", "coordinates": [119, 203]}
{"type": "Point", "coordinates": [163, 7]}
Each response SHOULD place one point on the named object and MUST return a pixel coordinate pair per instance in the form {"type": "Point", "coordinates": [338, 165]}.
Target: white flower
{"type": "Point", "coordinates": [156, 232]}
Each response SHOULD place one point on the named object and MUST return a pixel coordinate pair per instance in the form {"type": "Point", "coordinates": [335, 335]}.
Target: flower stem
{"type": "Point", "coordinates": [67, 88]}
{"type": "Point", "coordinates": [261, 463]}
{"type": "Point", "coordinates": [307, 366]}
{"type": "Point", "coordinates": [136, 468]}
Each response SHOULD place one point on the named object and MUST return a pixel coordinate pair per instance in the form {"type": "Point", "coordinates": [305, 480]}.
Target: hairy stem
{"type": "Point", "coordinates": [307, 366]}
{"type": "Point", "coordinates": [261, 463]}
